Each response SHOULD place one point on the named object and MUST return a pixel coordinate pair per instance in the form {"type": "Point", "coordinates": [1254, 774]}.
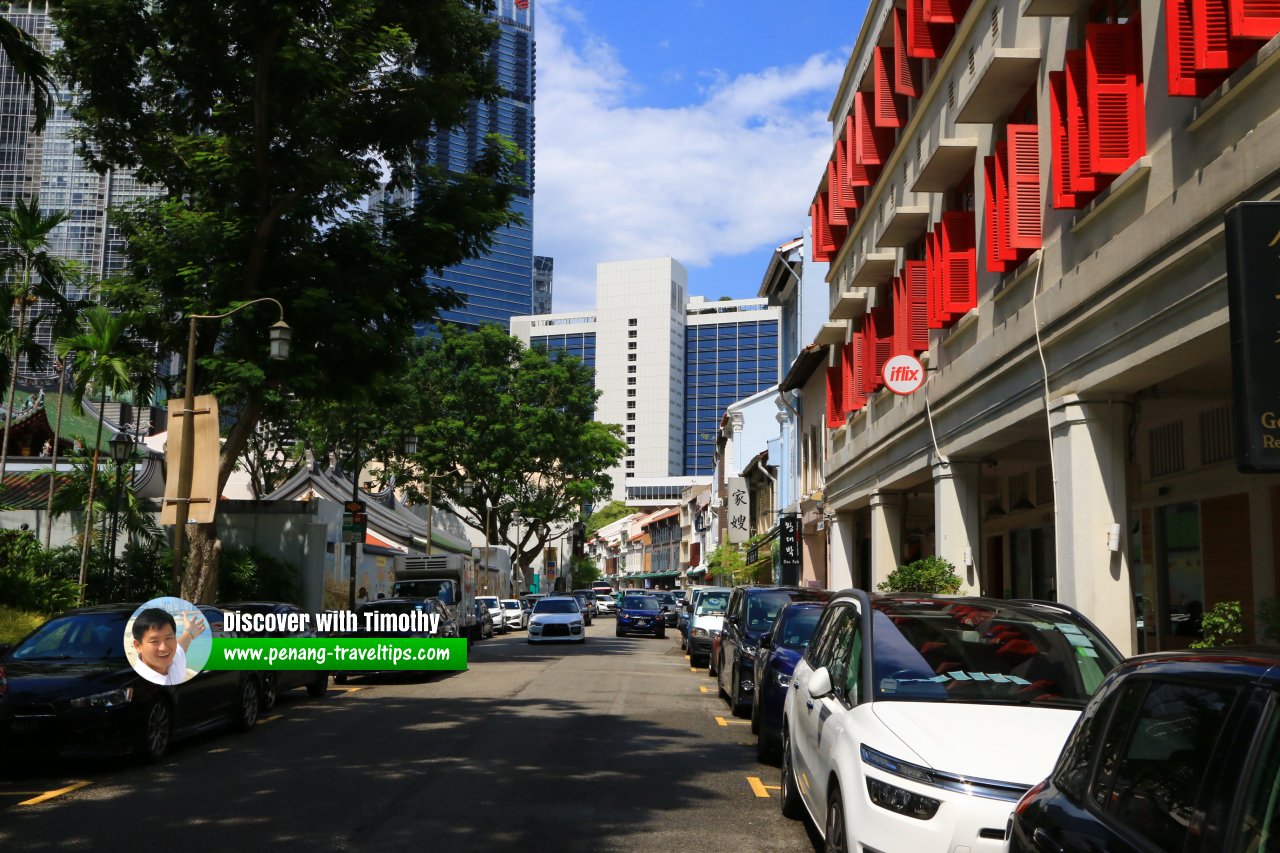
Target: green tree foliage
{"type": "Point", "coordinates": [266, 125]}
{"type": "Point", "coordinates": [515, 422]}
{"type": "Point", "coordinates": [607, 514]}
{"type": "Point", "coordinates": [31, 67]}
{"type": "Point", "coordinates": [27, 578]}
{"type": "Point", "coordinates": [249, 574]}
{"type": "Point", "coordinates": [929, 575]}
{"type": "Point", "coordinates": [583, 571]}
{"type": "Point", "coordinates": [729, 565]}
{"type": "Point", "coordinates": [1220, 625]}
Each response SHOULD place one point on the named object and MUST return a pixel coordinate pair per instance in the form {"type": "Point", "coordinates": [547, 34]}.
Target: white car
{"type": "Point", "coordinates": [917, 722]}
{"type": "Point", "coordinates": [706, 621]}
{"type": "Point", "coordinates": [556, 618]}
{"type": "Point", "coordinates": [605, 604]}
{"type": "Point", "coordinates": [514, 616]}
{"type": "Point", "coordinates": [494, 606]}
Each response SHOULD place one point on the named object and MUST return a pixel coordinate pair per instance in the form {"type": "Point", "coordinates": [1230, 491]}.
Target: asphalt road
{"type": "Point", "coordinates": [613, 745]}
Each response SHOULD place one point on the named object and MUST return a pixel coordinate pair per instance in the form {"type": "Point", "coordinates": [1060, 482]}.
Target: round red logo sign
{"type": "Point", "coordinates": [903, 374]}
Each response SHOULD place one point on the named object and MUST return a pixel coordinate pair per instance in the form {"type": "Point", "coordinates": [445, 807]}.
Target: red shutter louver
{"type": "Point", "coordinates": [901, 314]}
{"type": "Point", "coordinates": [815, 228]}
{"type": "Point", "coordinates": [1083, 179]}
{"type": "Point", "coordinates": [1063, 197]}
{"type": "Point", "coordinates": [855, 350]}
{"type": "Point", "coordinates": [1116, 117]}
{"type": "Point", "coordinates": [906, 71]}
{"type": "Point", "coordinates": [891, 108]}
{"type": "Point", "coordinates": [872, 144]}
{"type": "Point", "coordinates": [1180, 52]}
{"type": "Point", "coordinates": [959, 257]}
{"type": "Point", "coordinates": [925, 40]}
{"type": "Point", "coordinates": [945, 11]}
{"type": "Point", "coordinates": [868, 362]}
{"type": "Point", "coordinates": [835, 396]}
{"type": "Point", "coordinates": [848, 193]}
{"type": "Point", "coordinates": [835, 209]}
{"type": "Point", "coordinates": [937, 317]}
{"type": "Point", "coordinates": [916, 287]}
{"type": "Point", "coordinates": [858, 174]}
{"type": "Point", "coordinates": [1024, 186]}
{"type": "Point", "coordinates": [1216, 50]}
{"type": "Point", "coordinates": [1254, 19]}
{"type": "Point", "coordinates": [882, 320]}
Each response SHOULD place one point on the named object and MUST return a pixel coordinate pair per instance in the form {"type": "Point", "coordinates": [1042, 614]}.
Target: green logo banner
{"type": "Point", "coordinates": [339, 653]}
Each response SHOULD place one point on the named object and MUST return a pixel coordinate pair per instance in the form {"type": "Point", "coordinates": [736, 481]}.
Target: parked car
{"type": "Point", "coordinates": [514, 615]}
{"type": "Point", "coordinates": [748, 616]}
{"type": "Point", "coordinates": [780, 650]}
{"type": "Point", "coordinates": [605, 604]}
{"type": "Point", "coordinates": [68, 688]}
{"type": "Point", "coordinates": [705, 622]}
{"type": "Point", "coordinates": [557, 618]}
{"type": "Point", "coordinates": [494, 606]}
{"type": "Point", "coordinates": [585, 601]}
{"type": "Point", "coordinates": [484, 622]}
{"type": "Point", "coordinates": [531, 599]}
{"type": "Point", "coordinates": [275, 682]}
{"type": "Point", "coordinates": [1176, 751]}
{"type": "Point", "coordinates": [447, 627]}
{"type": "Point", "coordinates": [916, 722]}
{"type": "Point", "coordinates": [640, 613]}
{"type": "Point", "coordinates": [670, 605]}
{"type": "Point", "coordinates": [590, 597]}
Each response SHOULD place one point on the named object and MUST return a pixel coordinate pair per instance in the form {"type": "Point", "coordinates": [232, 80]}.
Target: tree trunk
{"type": "Point", "coordinates": [200, 580]}
{"type": "Point", "coordinates": [53, 465]}
{"type": "Point", "coordinates": [13, 384]}
{"type": "Point", "coordinates": [93, 481]}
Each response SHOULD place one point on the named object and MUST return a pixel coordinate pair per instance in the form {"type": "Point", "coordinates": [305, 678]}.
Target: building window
{"type": "Point", "coordinates": [633, 322]}
{"type": "Point", "coordinates": [631, 368]}
{"type": "Point", "coordinates": [633, 333]}
{"type": "Point", "coordinates": [631, 392]}
{"type": "Point", "coordinates": [631, 416]}
{"type": "Point", "coordinates": [631, 404]}
{"type": "Point", "coordinates": [631, 427]}
{"type": "Point", "coordinates": [631, 357]}
{"type": "Point", "coordinates": [631, 380]}
{"type": "Point", "coordinates": [630, 464]}
{"type": "Point", "coordinates": [631, 345]}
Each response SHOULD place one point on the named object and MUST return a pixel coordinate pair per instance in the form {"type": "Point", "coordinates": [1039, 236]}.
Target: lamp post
{"type": "Point", "coordinates": [121, 449]}
{"type": "Point", "coordinates": [280, 334]}
{"type": "Point", "coordinates": [517, 519]}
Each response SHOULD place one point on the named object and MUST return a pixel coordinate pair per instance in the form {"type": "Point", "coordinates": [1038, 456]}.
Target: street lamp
{"type": "Point", "coordinates": [121, 450]}
{"type": "Point", "coordinates": [280, 335]}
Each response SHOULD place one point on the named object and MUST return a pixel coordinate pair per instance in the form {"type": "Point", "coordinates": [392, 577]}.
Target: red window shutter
{"type": "Point", "coordinates": [916, 279]}
{"type": "Point", "coordinates": [1083, 179]}
{"type": "Point", "coordinates": [1254, 19]}
{"type": "Point", "coordinates": [882, 319]}
{"type": "Point", "coordinates": [1116, 117]}
{"type": "Point", "coordinates": [1180, 50]}
{"type": "Point", "coordinates": [859, 174]}
{"type": "Point", "coordinates": [901, 314]}
{"type": "Point", "coordinates": [1063, 197]}
{"type": "Point", "coordinates": [835, 209]}
{"type": "Point", "coordinates": [820, 255]}
{"type": "Point", "coordinates": [925, 40]}
{"type": "Point", "coordinates": [1216, 50]}
{"type": "Point", "coordinates": [906, 71]}
{"type": "Point", "coordinates": [1000, 256]}
{"type": "Point", "coordinates": [959, 256]}
{"type": "Point", "coordinates": [891, 108]}
{"type": "Point", "coordinates": [1024, 186]}
{"type": "Point", "coordinates": [826, 238]}
{"type": "Point", "coordinates": [936, 314]}
{"type": "Point", "coordinates": [855, 350]}
{"type": "Point", "coordinates": [872, 143]}
{"type": "Point", "coordinates": [835, 397]}
{"type": "Point", "coordinates": [848, 193]}
{"type": "Point", "coordinates": [945, 11]}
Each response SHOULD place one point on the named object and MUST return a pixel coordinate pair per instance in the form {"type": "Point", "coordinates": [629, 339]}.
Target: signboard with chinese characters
{"type": "Point", "coordinates": [738, 511]}
{"type": "Point", "coordinates": [1253, 298]}
{"type": "Point", "coordinates": [789, 549]}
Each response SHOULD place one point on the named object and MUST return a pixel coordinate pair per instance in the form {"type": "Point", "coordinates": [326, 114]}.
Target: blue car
{"type": "Point", "coordinates": [780, 650]}
{"type": "Point", "coordinates": [641, 614]}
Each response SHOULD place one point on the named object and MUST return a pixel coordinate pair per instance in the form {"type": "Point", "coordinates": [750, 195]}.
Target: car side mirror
{"type": "Point", "coordinates": [733, 620]}
{"type": "Point", "coordinates": [766, 641]}
{"type": "Point", "coordinates": [819, 683]}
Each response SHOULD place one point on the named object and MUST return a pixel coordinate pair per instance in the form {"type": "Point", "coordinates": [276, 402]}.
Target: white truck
{"type": "Point", "coordinates": [451, 578]}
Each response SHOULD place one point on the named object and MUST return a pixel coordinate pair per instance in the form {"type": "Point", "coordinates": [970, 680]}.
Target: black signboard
{"type": "Point", "coordinates": [789, 548]}
{"type": "Point", "coordinates": [1253, 293]}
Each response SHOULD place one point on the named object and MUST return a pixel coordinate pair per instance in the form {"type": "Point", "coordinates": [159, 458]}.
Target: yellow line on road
{"type": "Point", "coordinates": [269, 719]}
{"type": "Point", "coordinates": [346, 689]}
{"type": "Point", "coordinates": [703, 688]}
{"type": "Point", "coordinates": [723, 722]}
{"type": "Point", "coordinates": [693, 669]}
{"type": "Point", "coordinates": [760, 789]}
{"type": "Point", "coordinates": [49, 795]}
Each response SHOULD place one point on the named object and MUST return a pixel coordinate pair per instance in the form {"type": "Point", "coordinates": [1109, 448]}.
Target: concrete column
{"type": "Point", "coordinates": [956, 509]}
{"type": "Point", "coordinates": [1089, 464]}
{"type": "Point", "coordinates": [886, 534]}
{"type": "Point", "coordinates": [1263, 550]}
{"type": "Point", "coordinates": [840, 554]}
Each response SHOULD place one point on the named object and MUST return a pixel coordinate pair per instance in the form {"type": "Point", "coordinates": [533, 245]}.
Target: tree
{"type": "Point", "coordinates": [607, 514]}
{"type": "Point", "coordinates": [31, 67]}
{"type": "Point", "coordinates": [519, 424]}
{"type": "Point", "coordinates": [31, 273]}
{"type": "Point", "coordinates": [583, 572]}
{"type": "Point", "coordinates": [265, 125]}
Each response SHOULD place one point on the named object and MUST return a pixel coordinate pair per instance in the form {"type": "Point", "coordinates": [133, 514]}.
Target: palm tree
{"type": "Point", "coordinates": [104, 360]}
{"type": "Point", "coordinates": [31, 66]}
{"type": "Point", "coordinates": [33, 274]}
{"type": "Point", "coordinates": [66, 322]}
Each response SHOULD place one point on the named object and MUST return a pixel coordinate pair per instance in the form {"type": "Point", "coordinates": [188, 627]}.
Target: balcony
{"type": "Point", "coordinates": [830, 334]}
{"type": "Point", "coordinates": [877, 267]}
{"type": "Point", "coordinates": [1053, 8]}
{"type": "Point", "coordinates": [851, 303]}
{"type": "Point", "coordinates": [999, 83]}
{"type": "Point", "coordinates": [904, 226]}
{"type": "Point", "coordinates": [946, 165]}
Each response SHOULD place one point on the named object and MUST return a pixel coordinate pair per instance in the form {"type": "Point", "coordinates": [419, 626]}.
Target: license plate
{"type": "Point", "coordinates": [642, 621]}
{"type": "Point", "coordinates": [21, 725]}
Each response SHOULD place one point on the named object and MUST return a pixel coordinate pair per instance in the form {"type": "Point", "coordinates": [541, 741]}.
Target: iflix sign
{"type": "Point", "coordinates": [1253, 296]}
{"type": "Point", "coordinates": [903, 374]}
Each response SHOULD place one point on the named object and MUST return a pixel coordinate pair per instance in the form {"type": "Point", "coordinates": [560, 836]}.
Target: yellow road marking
{"type": "Point", "coordinates": [723, 722]}
{"type": "Point", "coordinates": [49, 795]}
{"type": "Point", "coordinates": [760, 789]}
{"type": "Point", "coordinates": [703, 688]}
{"type": "Point", "coordinates": [347, 689]}
{"type": "Point", "coordinates": [269, 719]}
{"type": "Point", "coordinates": [693, 669]}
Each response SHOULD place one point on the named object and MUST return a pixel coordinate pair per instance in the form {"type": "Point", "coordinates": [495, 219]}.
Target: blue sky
{"type": "Point", "coordinates": [691, 129]}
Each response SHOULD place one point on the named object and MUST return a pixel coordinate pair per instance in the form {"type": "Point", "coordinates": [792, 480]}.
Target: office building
{"type": "Point", "coordinates": [543, 273]}
{"type": "Point", "coordinates": [500, 284]}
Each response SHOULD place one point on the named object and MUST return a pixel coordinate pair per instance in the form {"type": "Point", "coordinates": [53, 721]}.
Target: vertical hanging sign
{"type": "Point", "coordinates": [1253, 297]}
{"type": "Point", "coordinates": [789, 546]}
{"type": "Point", "coordinates": [738, 511]}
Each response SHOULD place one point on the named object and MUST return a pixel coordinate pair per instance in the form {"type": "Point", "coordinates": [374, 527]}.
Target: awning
{"type": "Point", "coordinates": [702, 570]}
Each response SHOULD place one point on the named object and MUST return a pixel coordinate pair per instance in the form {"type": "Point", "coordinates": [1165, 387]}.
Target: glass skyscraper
{"type": "Point", "coordinates": [499, 285]}
{"type": "Point", "coordinates": [724, 362]}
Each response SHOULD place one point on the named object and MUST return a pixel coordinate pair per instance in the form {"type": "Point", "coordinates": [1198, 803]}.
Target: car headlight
{"type": "Point", "coordinates": [699, 632]}
{"type": "Point", "coordinates": [901, 801]}
{"type": "Point", "coordinates": [577, 624]}
{"type": "Point", "coordinates": [782, 679]}
{"type": "Point", "coordinates": [749, 651]}
{"type": "Point", "coordinates": [109, 699]}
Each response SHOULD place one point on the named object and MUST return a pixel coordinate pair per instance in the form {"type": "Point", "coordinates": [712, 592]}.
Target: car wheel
{"type": "Point", "coordinates": [724, 694]}
{"type": "Point", "coordinates": [755, 713]}
{"type": "Point", "coordinates": [268, 692]}
{"type": "Point", "coordinates": [157, 731]}
{"type": "Point", "coordinates": [247, 710]}
{"type": "Point", "coordinates": [340, 679]}
{"type": "Point", "coordinates": [711, 668]}
{"type": "Point", "coordinates": [837, 840]}
{"type": "Point", "coordinates": [618, 632]}
{"type": "Point", "coordinates": [792, 806]}
{"type": "Point", "coordinates": [529, 641]}
{"type": "Point", "coordinates": [319, 687]}
{"type": "Point", "coordinates": [735, 698]}
{"type": "Point", "coordinates": [661, 634]}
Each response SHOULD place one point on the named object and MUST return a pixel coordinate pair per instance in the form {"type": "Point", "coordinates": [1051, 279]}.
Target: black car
{"type": "Point", "coordinates": [67, 689]}
{"type": "Point", "coordinates": [448, 625]}
{"type": "Point", "coordinates": [640, 613]}
{"type": "Point", "coordinates": [1176, 751]}
{"type": "Point", "coordinates": [587, 604]}
{"type": "Point", "coordinates": [747, 618]}
{"type": "Point", "coordinates": [275, 682]}
{"type": "Point", "coordinates": [670, 608]}
{"type": "Point", "coordinates": [780, 649]}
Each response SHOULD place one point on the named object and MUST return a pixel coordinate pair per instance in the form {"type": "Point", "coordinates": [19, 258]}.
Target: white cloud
{"type": "Point", "coordinates": [714, 179]}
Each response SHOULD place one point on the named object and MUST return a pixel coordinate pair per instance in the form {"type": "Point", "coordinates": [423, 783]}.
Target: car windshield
{"type": "Point", "coordinates": [951, 651]}
{"type": "Point", "coordinates": [511, 605]}
{"type": "Point", "coordinates": [556, 605]}
{"type": "Point", "coordinates": [665, 598]}
{"type": "Point", "coordinates": [640, 602]}
{"type": "Point", "coordinates": [763, 607]}
{"type": "Point", "coordinates": [488, 602]}
{"type": "Point", "coordinates": [87, 636]}
{"type": "Point", "coordinates": [712, 604]}
{"type": "Point", "coordinates": [796, 629]}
